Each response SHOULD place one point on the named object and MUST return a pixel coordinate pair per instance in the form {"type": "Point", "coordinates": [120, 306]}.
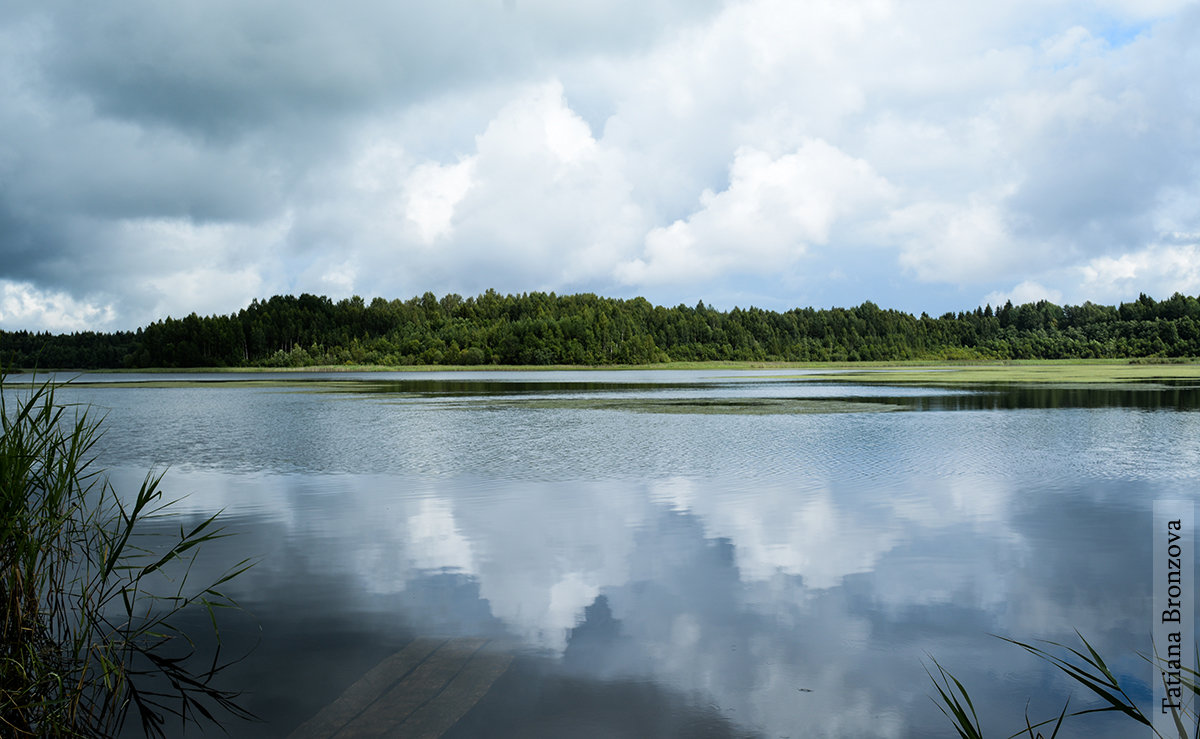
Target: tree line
{"type": "Point", "coordinates": [585, 329]}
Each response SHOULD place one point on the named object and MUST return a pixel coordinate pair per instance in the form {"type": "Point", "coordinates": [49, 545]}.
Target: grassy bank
{"type": "Point", "coordinates": [1042, 372]}
{"type": "Point", "coordinates": [1023, 371]}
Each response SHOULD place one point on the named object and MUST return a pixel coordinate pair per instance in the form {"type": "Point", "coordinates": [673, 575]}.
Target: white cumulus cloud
{"type": "Point", "coordinates": [773, 209]}
{"type": "Point", "coordinates": [24, 306]}
{"type": "Point", "coordinates": [914, 154]}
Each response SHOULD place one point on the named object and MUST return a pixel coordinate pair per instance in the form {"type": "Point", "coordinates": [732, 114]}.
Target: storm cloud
{"type": "Point", "coordinates": [167, 158]}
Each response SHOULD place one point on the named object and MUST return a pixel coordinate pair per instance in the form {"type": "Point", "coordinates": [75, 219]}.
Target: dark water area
{"type": "Point", "coordinates": [672, 554]}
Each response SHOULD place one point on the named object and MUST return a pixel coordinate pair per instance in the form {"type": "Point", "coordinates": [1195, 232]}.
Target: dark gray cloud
{"type": "Point", "coordinates": [218, 68]}
{"type": "Point", "coordinates": [169, 158]}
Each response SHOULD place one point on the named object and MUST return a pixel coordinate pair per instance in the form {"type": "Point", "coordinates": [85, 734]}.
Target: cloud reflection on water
{"type": "Point", "coordinates": [736, 562]}
{"type": "Point", "coordinates": [747, 600]}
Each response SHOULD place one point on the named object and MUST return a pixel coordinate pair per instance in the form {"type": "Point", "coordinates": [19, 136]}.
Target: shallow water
{"type": "Point", "coordinates": [672, 553]}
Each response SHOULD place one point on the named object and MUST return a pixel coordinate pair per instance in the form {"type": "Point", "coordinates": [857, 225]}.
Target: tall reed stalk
{"type": "Point", "coordinates": [91, 600]}
{"type": "Point", "coordinates": [1086, 668]}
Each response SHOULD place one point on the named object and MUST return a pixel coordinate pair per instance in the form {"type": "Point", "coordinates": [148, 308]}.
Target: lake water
{"type": "Point", "coordinates": [672, 553]}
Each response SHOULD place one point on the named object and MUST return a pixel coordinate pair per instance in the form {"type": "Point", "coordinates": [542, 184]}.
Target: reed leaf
{"type": "Point", "coordinates": [85, 636]}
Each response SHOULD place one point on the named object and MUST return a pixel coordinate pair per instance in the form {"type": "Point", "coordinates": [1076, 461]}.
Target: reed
{"type": "Point", "coordinates": [91, 599]}
{"type": "Point", "coordinates": [1085, 667]}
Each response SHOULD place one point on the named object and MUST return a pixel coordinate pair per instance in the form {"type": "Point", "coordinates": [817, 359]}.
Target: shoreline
{"type": "Point", "coordinates": [1035, 371]}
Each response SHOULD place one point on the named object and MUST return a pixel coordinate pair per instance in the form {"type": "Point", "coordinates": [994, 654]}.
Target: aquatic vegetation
{"type": "Point", "coordinates": [91, 601]}
{"type": "Point", "coordinates": [1088, 670]}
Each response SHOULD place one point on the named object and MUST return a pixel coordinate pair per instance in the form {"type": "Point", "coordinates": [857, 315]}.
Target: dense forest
{"type": "Point", "coordinates": [541, 329]}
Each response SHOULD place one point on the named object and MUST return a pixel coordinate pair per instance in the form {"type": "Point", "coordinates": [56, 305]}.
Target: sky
{"type": "Point", "coordinates": [928, 155]}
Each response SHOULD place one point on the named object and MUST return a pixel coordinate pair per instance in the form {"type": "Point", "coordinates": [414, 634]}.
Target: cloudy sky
{"type": "Point", "coordinates": [929, 155]}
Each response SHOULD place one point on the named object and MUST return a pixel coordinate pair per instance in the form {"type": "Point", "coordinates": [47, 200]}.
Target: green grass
{"type": "Point", "coordinates": [1057, 373]}
{"type": "Point", "coordinates": [1042, 372]}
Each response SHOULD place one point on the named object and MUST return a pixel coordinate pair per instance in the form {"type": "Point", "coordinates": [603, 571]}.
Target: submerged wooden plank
{"type": "Point", "coordinates": [367, 690]}
{"type": "Point", "coordinates": [463, 691]}
{"type": "Point", "coordinates": [384, 716]}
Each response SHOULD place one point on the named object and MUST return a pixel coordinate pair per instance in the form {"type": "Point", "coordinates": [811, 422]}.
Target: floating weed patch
{"type": "Point", "coordinates": [160, 384]}
{"type": "Point", "coordinates": [1067, 372]}
{"type": "Point", "coordinates": [701, 406]}
{"type": "Point", "coordinates": [752, 406]}
{"type": "Point", "coordinates": [924, 373]}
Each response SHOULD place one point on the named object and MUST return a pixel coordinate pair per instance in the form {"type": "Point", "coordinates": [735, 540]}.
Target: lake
{"type": "Point", "coordinates": [670, 553]}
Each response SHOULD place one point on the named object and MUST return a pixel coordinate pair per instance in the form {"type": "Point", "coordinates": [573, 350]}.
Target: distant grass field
{"type": "Point", "coordinates": [1055, 372]}
{"type": "Point", "coordinates": [959, 374]}
{"type": "Point", "coordinates": [938, 373]}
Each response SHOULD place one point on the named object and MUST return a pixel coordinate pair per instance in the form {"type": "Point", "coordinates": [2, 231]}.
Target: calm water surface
{"type": "Point", "coordinates": [672, 553]}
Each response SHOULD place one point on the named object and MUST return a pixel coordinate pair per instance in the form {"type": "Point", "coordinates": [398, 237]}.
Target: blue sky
{"type": "Point", "coordinates": [926, 155]}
